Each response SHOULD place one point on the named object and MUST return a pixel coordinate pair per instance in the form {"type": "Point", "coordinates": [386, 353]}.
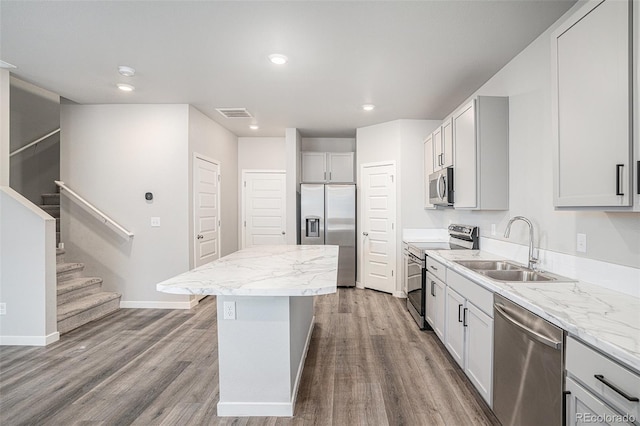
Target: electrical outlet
{"type": "Point", "coordinates": [229, 310]}
{"type": "Point", "coordinates": [493, 229]}
{"type": "Point", "coordinates": [155, 222]}
{"type": "Point", "coordinates": [3, 309]}
{"type": "Point", "coordinates": [581, 243]}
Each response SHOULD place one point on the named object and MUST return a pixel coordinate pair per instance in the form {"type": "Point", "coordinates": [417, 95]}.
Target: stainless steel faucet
{"type": "Point", "coordinates": [533, 261]}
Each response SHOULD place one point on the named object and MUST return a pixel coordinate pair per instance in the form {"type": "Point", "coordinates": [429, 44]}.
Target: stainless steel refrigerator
{"type": "Point", "coordinates": [328, 216]}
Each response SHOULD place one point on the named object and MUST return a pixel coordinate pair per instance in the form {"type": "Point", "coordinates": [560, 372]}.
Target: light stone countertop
{"type": "Point", "coordinates": [282, 270]}
{"type": "Point", "coordinates": [607, 320]}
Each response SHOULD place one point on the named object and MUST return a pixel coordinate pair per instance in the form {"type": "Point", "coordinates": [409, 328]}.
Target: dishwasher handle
{"type": "Point", "coordinates": [500, 309]}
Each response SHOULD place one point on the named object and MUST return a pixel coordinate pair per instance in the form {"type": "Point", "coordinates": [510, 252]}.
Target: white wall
{"type": "Point", "coordinates": [611, 237]}
{"type": "Point", "coordinates": [328, 144]}
{"type": "Point", "coordinates": [262, 154]}
{"type": "Point", "coordinates": [27, 272]}
{"type": "Point", "coordinates": [5, 90]}
{"type": "Point", "coordinates": [111, 155]}
{"type": "Point", "coordinates": [208, 138]}
{"type": "Point", "coordinates": [399, 141]}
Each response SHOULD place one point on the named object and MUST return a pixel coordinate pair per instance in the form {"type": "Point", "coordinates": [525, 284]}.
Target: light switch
{"type": "Point", "coordinates": [155, 221]}
{"type": "Point", "coordinates": [581, 243]}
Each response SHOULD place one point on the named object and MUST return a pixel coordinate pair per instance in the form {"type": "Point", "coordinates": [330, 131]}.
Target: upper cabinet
{"type": "Point", "coordinates": [592, 107]}
{"type": "Point", "coordinates": [327, 167]}
{"type": "Point", "coordinates": [443, 146]}
{"type": "Point", "coordinates": [428, 169]}
{"type": "Point", "coordinates": [481, 160]}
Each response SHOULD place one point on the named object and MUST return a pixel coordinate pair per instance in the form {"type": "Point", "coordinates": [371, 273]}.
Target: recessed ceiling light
{"type": "Point", "coordinates": [125, 87]}
{"type": "Point", "coordinates": [254, 126]}
{"type": "Point", "coordinates": [126, 71]}
{"type": "Point", "coordinates": [278, 59]}
{"type": "Point", "coordinates": [368, 107]}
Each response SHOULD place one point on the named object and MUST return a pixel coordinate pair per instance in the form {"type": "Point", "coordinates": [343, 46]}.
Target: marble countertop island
{"type": "Point", "coordinates": [606, 319]}
{"type": "Point", "coordinates": [283, 270]}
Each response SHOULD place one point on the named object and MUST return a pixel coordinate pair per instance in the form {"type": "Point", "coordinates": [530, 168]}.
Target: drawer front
{"type": "Point", "coordinates": [584, 364]}
{"type": "Point", "coordinates": [478, 295]}
{"type": "Point", "coordinates": [437, 269]}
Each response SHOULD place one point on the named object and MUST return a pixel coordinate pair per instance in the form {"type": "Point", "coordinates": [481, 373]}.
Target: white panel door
{"type": "Point", "coordinates": [453, 327]}
{"type": "Point", "coordinates": [479, 350]}
{"type": "Point", "coordinates": [206, 210]}
{"type": "Point", "coordinates": [264, 208]}
{"type": "Point", "coordinates": [378, 227]}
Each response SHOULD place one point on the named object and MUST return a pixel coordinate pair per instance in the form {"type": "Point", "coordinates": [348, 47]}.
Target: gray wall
{"type": "Point", "coordinates": [111, 155]}
{"type": "Point", "coordinates": [35, 112]}
{"type": "Point", "coordinates": [611, 237]}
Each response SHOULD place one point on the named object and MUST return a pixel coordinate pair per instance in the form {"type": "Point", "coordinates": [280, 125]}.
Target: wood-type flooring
{"type": "Point", "coordinates": [368, 364]}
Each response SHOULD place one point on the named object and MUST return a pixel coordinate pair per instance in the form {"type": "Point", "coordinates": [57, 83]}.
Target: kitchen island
{"type": "Point", "coordinates": [265, 319]}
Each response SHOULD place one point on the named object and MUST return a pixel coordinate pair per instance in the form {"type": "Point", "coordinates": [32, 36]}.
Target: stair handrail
{"type": "Point", "coordinates": [93, 209]}
{"type": "Point", "coordinates": [37, 141]}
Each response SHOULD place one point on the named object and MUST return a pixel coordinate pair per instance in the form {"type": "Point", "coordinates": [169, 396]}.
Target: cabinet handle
{"type": "Point", "coordinates": [459, 313]}
{"type": "Point", "coordinates": [628, 397]}
{"type": "Point", "coordinates": [433, 267]}
{"type": "Point", "coordinates": [464, 317]}
{"type": "Point", "coordinates": [329, 175]}
{"type": "Point", "coordinates": [618, 183]}
{"type": "Point", "coordinates": [432, 291]}
{"type": "Point", "coordinates": [325, 175]}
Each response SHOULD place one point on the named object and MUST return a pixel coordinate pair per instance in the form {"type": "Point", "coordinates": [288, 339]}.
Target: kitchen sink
{"type": "Point", "coordinates": [522, 275]}
{"type": "Point", "coordinates": [490, 265]}
{"type": "Point", "coordinates": [501, 270]}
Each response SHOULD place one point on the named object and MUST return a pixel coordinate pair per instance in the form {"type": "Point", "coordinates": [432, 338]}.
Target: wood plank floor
{"type": "Point", "coordinates": [368, 364]}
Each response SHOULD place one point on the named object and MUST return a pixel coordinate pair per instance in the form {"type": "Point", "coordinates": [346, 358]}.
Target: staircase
{"type": "Point", "coordinates": [80, 299]}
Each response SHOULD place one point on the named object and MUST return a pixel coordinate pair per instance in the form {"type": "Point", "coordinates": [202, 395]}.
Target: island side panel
{"type": "Point", "coordinates": [255, 354]}
{"type": "Point", "coordinates": [301, 317]}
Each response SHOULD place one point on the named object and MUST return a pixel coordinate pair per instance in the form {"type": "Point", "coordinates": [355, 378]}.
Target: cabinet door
{"type": "Point", "coordinates": [453, 328]}
{"type": "Point", "coordinates": [583, 408]}
{"type": "Point", "coordinates": [465, 171]}
{"type": "Point", "coordinates": [428, 169]}
{"type": "Point", "coordinates": [314, 167]}
{"type": "Point", "coordinates": [438, 155]}
{"type": "Point", "coordinates": [592, 96]}
{"type": "Point", "coordinates": [447, 143]}
{"type": "Point", "coordinates": [439, 308]}
{"type": "Point", "coordinates": [340, 167]}
{"type": "Point", "coordinates": [430, 308]}
{"type": "Point", "coordinates": [479, 350]}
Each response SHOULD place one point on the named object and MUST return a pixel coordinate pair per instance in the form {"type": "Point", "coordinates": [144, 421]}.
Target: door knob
{"type": "Point", "coordinates": [366, 234]}
{"type": "Point", "coordinates": [283, 233]}
{"type": "Point", "coordinates": [200, 236]}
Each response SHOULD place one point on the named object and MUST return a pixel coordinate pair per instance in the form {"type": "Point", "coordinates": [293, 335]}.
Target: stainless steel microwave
{"type": "Point", "coordinates": [441, 187]}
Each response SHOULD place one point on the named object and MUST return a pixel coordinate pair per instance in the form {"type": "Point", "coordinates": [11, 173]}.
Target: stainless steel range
{"type": "Point", "coordinates": [461, 237]}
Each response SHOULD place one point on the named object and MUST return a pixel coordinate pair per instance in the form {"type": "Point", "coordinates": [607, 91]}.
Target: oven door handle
{"type": "Point", "coordinates": [500, 309]}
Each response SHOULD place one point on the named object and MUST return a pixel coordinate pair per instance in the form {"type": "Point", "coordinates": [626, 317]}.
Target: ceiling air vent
{"type": "Point", "coordinates": [234, 112]}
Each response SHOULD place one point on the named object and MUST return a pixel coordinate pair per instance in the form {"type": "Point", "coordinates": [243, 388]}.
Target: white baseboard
{"type": "Point", "coordinates": [255, 409]}
{"type": "Point", "coordinates": [359, 285]}
{"type": "Point", "coordinates": [400, 294]}
{"type": "Point", "coordinates": [127, 304]}
{"type": "Point", "coordinates": [29, 340]}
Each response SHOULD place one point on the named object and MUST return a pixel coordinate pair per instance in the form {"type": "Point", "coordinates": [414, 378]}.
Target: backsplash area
{"type": "Point", "coordinates": [623, 279]}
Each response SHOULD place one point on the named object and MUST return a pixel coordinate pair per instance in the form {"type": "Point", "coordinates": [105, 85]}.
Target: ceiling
{"type": "Point", "coordinates": [413, 59]}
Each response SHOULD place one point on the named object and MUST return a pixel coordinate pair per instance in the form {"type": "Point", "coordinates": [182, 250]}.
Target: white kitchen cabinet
{"type": "Point", "coordinates": [599, 385]}
{"type": "Point", "coordinates": [584, 408]}
{"type": "Point", "coordinates": [481, 160]}
{"type": "Point", "coordinates": [327, 167]}
{"type": "Point", "coordinates": [443, 145]}
{"type": "Point", "coordinates": [428, 169]}
{"type": "Point", "coordinates": [435, 309]}
{"type": "Point", "coordinates": [454, 326]}
{"type": "Point", "coordinates": [469, 331]}
{"type": "Point", "coordinates": [591, 107]}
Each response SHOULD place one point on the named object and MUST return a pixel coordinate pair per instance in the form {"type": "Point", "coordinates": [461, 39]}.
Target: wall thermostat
{"type": "Point", "coordinates": [148, 196]}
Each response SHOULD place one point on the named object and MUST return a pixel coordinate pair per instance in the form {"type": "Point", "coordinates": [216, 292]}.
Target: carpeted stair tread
{"type": "Point", "coordinates": [76, 284]}
{"type": "Point", "coordinates": [60, 251]}
{"type": "Point", "coordinates": [83, 304]}
{"type": "Point", "coordinates": [51, 199]}
{"type": "Point", "coordinates": [62, 268]}
{"type": "Point", "coordinates": [53, 210]}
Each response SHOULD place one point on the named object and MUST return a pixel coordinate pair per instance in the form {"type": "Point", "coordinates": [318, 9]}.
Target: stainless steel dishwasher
{"type": "Point", "coordinates": [528, 367]}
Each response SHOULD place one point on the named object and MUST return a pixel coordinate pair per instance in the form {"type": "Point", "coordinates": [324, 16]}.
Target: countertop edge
{"type": "Point", "coordinates": [622, 355]}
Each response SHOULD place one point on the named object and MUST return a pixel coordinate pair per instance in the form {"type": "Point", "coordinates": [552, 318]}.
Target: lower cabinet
{"type": "Point", "coordinates": [585, 408]}
{"type": "Point", "coordinates": [469, 340]}
{"type": "Point", "coordinates": [435, 305]}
